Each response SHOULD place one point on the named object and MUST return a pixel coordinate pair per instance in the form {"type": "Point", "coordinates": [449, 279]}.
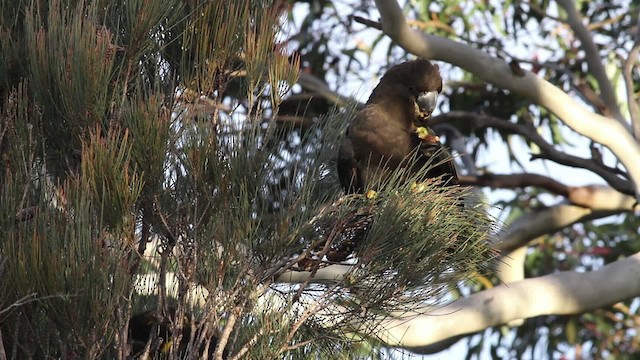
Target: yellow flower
{"type": "Point", "coordinates": [418, 187]}
{"type": "Point", "coordinates": [166, 348]}
{"type": "Point", "coordinates": [371, 194]}
{"type": "Point", "coordinates": [422, 132]}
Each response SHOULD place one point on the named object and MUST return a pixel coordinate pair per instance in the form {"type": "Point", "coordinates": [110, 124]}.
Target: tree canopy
{"type": "Point", "coordinates": [541, 106]}
{"type": "Point", "coordinates": [173, 162]}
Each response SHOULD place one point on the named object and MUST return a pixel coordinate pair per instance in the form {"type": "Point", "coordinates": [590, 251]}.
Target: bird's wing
{"type": "Point", "coordinates": [444, 166]}
{"type": "Point", "coordinates": [440, 161]}
{"type": "Point", "coordinates": [374, 144]}
{"type": "Point", "coordinates": [350, 179]}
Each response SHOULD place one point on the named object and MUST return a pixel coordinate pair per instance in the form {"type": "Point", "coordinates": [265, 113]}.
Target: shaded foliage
{"type": "Point", "coordinates": [142, 140]}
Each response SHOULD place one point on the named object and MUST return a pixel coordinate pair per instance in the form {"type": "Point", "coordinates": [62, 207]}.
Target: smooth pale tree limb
{"type": "Point", "coordinates": [587, 203]}
{"type": "Point", "coordinates": [601, 198]}
{"type": "Point", "coordinates": [606, 131]}
{"type": "Point", "coordinates": [318, 86]}
{"type": "Point", "coordinates": [607, 94]}
{"type": "Point", "coordinates": [595, 204]}
{"type": "Point", "coordinates": [597, 197]}
{"type": "Point", "coordinates": [559, 294]}
{"type": "Point", "coordinates": [510, 267]}
{"type": "Point", "coordinates": [629, 63]}
{"type": "Point", "coordinates": [333, 273]}
{"type": "Point", "coordinates": [634, 108]}
{"type": "Point", "coordinates": [530, 226]}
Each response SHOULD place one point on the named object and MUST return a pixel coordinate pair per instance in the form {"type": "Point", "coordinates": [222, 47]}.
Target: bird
{"type": "Point", "coordinates": [391, 127]}
{"type": "Point", "coordinates": [142, 324]}
{"type": "Point", "coordinates": [389, 133]}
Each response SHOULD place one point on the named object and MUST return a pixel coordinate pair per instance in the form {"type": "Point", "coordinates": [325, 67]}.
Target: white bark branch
{"type": "Point", "coordinates": [629, 63]}
{"type": "Point", "coordinates": [594, 202]}
{"type": "Point", "coordinates": [607, 94]}
{"type": "Point", "coordinates": [332, 273]}
{"type": "Point", "coordinates": [560, 294]}
{"type": "Point", "coordinates": [534, 224]}
{"type": "Point", "coordinates": [606, 131]}
{"type": "Point", "coordinates": [318, 86]}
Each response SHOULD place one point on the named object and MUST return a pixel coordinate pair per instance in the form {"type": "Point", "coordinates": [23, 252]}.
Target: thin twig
{"type": "Point", "coordinates": [226, 332]}
{"type": "Point", "coordinates": [548, 150]}
{"type": "Point", "coordinates": [327, 245]}
{"type": "Point", "coordinates": [245, 348]}
{"type": "Point", "coordinates": [540, 11]}
{"type": "Point", "coordinates": [367, 22]}
{"type": "Point", "coordinates": [516, 181]}
{"type": "Point", "coordinates": [21, 302]}
{"type": "Point", "coordinates": [308, 313]}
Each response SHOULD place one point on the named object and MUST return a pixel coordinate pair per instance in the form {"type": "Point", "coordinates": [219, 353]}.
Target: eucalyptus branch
{"type": "Point", "coordinates": [367, 22]}
{"type": "Point", "coordinates": [600, 24]}
{"type": "Point", "coordinates": [515, 181]}
{"type": "Point", "coordinates": [318, 86]}
{"type": "Point", "coordinates": [529, 227]}
{"type": "Point", "coordinates": [558, 294]}
{"type": "Point", "coordinates": [331, 273]}
{"type": "Point", "coordinates": [498, 72]}
{"type": "Point", "coordinates": [510, 268]}
{"type": "Point", "coordinates": [20, 302]}
{"type": "Point", "coordinates": [602, 197]}
{"type": "Point", "coordinates": [417, 23]}
{"type": "Point", "coordinates": [596, 68]}
{"type": "Point", "coordinates": [226, 332]}
{"type": "Point", "coordinates": [589, 203]}
{"type": "Point", "coordinates": [548, 220]}
{"type": "Point", "coordinates": [629, 63]}
{"type": "Point", "coordinates": [634, 109]}
{"type": "Point", "coordinates": [542, 12]}
{"type": "Point", "coordinates": [549, 151]}
{"type": "Point", "coordinates": [587, 94]}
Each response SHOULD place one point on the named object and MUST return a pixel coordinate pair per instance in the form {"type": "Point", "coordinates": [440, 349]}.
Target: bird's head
{"type": "Point", "coordinates": [416, 83]}
{"type": "Point", "coordinates": [424, 105]}
{"type": "Point", "coordinates": [424, 87]}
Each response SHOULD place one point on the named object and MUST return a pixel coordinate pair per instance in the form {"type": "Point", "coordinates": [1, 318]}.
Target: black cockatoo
{"type": "Point", "coordinates": [141, 325]}
{"type": "Point", "coordinates": [393, 123]}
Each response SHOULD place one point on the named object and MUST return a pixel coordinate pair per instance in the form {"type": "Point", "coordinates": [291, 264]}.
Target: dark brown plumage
{"type": "Point", "coordinates": [382, 136]}
{"type": "Point", "coordinates": [141, 325]}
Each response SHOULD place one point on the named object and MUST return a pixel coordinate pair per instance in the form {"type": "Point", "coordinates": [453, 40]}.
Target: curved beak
{"type": "Point", "coordinates": [426, 102]}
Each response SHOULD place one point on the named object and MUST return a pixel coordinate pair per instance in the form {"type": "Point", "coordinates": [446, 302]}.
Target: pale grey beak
{"type": "Point", "coordinates": [427, 102]}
